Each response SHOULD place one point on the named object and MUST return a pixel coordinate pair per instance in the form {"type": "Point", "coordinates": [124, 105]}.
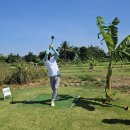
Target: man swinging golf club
{"type": "Point", "coordinates": [53, 71]}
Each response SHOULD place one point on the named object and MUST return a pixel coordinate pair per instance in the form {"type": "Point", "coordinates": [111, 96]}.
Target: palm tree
{"type": "Point", "coordinates": [65, 46]}
{"type": "Point", "coordinates": [110, 36]}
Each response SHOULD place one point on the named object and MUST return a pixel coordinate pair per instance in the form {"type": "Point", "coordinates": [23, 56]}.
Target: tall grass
{"type": "Point", "coordinates": [20, 73]}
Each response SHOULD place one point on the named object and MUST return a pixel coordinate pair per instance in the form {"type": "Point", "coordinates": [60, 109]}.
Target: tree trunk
{"type": "Point", "coordinates": [108, 88]}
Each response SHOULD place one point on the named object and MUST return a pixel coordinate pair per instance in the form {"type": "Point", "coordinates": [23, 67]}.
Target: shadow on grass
{"type": "Point", "coordinates": [41, 101]}
{"type": "Point", "coordinates": [116, 121]}
{"type": "Point", "coordinates": [123, 107]}
{"type": "Point", "coordinates": [64, 97]}
{"type": "Point", "coordinates": [89, 103]}
{"type": "Point", "coordinates": [45, 102]}
{"type": "Point", "coordinates": [86, 103]}
{"type": "Point", "coordinates": [1, 98]}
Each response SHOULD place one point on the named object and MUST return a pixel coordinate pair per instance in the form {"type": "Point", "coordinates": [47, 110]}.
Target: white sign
{"type": "Point", "coordinates": [6, 92]}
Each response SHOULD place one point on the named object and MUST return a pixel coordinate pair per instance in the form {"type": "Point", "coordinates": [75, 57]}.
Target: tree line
{"type": "Point", "coordinates": [67, 53]}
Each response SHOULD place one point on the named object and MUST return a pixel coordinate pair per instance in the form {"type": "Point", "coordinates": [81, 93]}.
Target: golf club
{"type": "Point", "coordinates": [51, 45]}
{"type": "Point", "coordinates": [75, 100]}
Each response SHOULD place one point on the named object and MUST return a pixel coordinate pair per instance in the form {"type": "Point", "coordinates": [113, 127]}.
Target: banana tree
{"type": "Point", "coordinates": [109, 35]}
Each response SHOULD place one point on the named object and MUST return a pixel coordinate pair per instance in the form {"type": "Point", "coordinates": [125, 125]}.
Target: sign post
{"type": "Point", "coordinates": [6, 92]}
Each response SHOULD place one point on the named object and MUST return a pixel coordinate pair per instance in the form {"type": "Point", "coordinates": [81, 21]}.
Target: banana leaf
{"type": "Point", "coordinates": [124, 46]}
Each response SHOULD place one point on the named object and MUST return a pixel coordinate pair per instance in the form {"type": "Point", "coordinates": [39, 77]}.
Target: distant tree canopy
{"type": "Point", "coordinates": [2, 58]}
{"type": "Point", "coordinates": [31, 57]}
{"type": "Point", "coordinates": [67, 53]}
{"type": "Point", "coordinates": [13, 58]}
{"type": "Point", "coordinates": [87, 53]}
{"type": "Point", "coordinates": [41, 55]}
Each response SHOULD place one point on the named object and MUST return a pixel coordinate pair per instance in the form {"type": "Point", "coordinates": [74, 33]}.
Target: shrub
{"type": "Point", "coordinates": [24, 73]}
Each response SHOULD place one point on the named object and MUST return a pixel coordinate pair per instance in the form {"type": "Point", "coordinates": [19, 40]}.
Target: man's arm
{"type": "Point", "coordinates": [56, 54]}
{"type": "Point", "coordinates": [46, 55]}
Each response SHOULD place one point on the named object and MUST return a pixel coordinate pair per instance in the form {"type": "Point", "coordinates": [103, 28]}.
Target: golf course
{"type": "Point", "coordinates": [64, 65]}
{"type": "Point", "coordinates": [31, 110]}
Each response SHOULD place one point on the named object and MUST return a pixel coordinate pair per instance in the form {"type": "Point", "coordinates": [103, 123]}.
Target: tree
{"type": "Point", "coordinates": [13, 58]}
{"type": "Point", "coordinates": [41, 55]}
{"type": "Point", "coordinates": [31, 57]}
{"type": "Point", "coordinates": [83, 53]}
{"type": "Point", "coordinates": [91, 53]}
{"type": "Point", "coordinates": [66, 51]}
{"type": "Point", "coordinates": [109, 34]}
{"type": "Point", "coordinates": [2, 58]}
{"type": "Point", "coordinates": [96, 53]}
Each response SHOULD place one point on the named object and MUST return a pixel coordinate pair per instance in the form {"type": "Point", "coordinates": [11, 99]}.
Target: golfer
{"type": "Point", "coordinates": [53, 72]}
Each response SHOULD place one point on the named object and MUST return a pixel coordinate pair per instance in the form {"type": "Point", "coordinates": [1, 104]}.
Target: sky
{"type": "Point", "coordinates": [27, 25]}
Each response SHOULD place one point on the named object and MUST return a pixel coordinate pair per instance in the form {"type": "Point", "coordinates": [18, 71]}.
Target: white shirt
{"type": "Point", "coordinates": [52, 67]}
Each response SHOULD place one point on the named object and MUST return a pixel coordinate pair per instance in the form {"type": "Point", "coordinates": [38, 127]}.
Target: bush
{"type": "Point", "coordinates": [24, 73]}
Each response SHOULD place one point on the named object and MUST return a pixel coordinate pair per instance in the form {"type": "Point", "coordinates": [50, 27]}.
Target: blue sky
{"type": "Point", "coordinates": [27, 25]}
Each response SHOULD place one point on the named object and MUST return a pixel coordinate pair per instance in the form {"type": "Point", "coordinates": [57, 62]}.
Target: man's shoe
{"type": "Point", "coordinates": [52, 103]}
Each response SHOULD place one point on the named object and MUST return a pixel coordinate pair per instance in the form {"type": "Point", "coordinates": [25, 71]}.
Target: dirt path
{"type": "Point", "coordinates": [120, 82]}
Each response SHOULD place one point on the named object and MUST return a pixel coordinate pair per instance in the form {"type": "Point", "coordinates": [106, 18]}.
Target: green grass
{"type": "Point", "coordinates": [43, 100]}
{"type": "Point", "coordinates": [89, 114]}
{"type": "Point", "coordinates": [99, 70]}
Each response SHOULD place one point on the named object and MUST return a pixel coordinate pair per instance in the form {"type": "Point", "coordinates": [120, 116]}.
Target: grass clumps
{"type": "Point", "coordinates": [24, 73]}
{"type": "Point", "coordinates": [87, 78]}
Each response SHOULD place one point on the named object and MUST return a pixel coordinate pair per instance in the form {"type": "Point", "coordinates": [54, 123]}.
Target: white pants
{"type": "Point", "coordinates": [55, 82]}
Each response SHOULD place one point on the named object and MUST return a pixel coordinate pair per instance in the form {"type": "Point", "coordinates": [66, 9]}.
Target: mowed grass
{"type": "Point", "coordinates": [88, 114]}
